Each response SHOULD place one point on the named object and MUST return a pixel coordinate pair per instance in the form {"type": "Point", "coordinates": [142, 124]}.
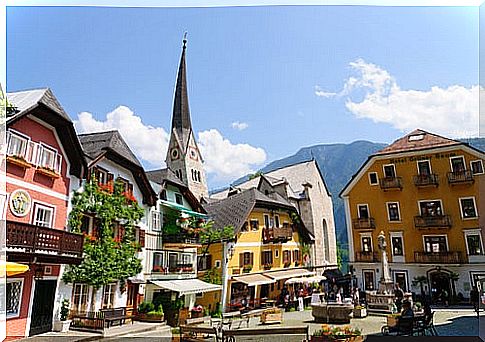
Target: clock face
{"type": "Point", "coordinates": [174, 153]}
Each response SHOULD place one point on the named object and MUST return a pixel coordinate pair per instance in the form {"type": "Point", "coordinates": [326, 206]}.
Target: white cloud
{"type": "Point", "coordinates": [147, 142]}
{"type": "Point", "coordinates": [227, 160]}
{"type": "Point", "coordinates": [451, 111]}
{"type": "Point", "coordinates": [223, 159]}
{"type": "Point", "coordinates": [239, 125]}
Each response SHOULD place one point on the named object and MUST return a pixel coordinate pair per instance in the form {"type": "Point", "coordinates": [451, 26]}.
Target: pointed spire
{"type": "Point", "coordinates": [181, 112]}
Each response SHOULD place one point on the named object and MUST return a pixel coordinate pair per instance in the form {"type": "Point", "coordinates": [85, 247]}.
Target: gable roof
{"type": "Point", "coordinates": [111, 145]}
{"type": "Point", "coordinates": [42, 104]}
{"type": "Point", "coordinates": [417, 140]}
{"type": "Point", "coordinates": [234, 210]}
{"type": "Point", "coordinates": [94, 143]}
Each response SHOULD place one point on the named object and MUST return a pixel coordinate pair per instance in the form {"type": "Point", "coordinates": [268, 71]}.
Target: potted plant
{"type": "Point", "coordinates": [62, 325]}
{"type": "Point", "coordinates": [197, 311]}
{"type": "Point", "coordinates": [247, 268]}
{"type": "Point", "coordinates": [147, 312]}
{"type": "Point", "coordinates": [329, 333]}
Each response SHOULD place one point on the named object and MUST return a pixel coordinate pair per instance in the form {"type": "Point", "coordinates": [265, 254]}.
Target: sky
{"type": "Point", "coordinates": [263, 81]}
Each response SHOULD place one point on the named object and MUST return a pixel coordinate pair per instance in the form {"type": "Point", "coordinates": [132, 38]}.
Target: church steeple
{"type": "Point", "coordinates": [183, 155]}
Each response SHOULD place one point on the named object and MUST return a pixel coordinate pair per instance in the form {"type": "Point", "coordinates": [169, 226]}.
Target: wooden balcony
{"type": "Point", "coordinates": [438, 257]}
{"type": "Point", "coordinates": [426, 180]}
{"type": "Point", "coordinates": [364, 223]}
{"type": "Point", "coordinates": [391, 183]}
{"type": "Point", "coordinates": [277, 234]}
{"type": "Point", "coordinates": [425, 222]}
{"type": "Point", "coordinates": [462, 177]}
{"type": "Point", "coordinates": [26, 242]}
{"type": "Point", "coordinates": [367, 256]}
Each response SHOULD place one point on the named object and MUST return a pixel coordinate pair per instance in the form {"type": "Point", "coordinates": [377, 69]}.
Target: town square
{"type": "Point", "coordinates": [153, 191]}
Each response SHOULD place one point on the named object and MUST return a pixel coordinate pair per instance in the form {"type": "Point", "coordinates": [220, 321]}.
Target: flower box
{"type": "Point", "coordinates": [273, 315]}
{"type": "Point", "coordinates": [332, 338]}
{"type": "Point", "coordinates": [150, 318]}
{"type": "Point", "coordinates": [267, 266]}
{"type": "Point", "coordinates": [47, 172]}
{"type": "Point", "coordinates": [19, 161]}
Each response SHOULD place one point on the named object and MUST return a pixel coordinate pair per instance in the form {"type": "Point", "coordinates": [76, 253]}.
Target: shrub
{"type": "Point", "coordinates": [146, 307]}
{"type": "Point", "coordinates": [64, 310]}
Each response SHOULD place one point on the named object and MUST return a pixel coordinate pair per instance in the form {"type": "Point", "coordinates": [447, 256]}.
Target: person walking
{"type": "Point", "coordinates": [399, 296]}
{"type": "Point", "coordinates": [475, 299]}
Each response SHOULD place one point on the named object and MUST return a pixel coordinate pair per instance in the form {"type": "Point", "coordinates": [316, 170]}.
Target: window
{"type": "Point", "coordinates": [158, 262]}
{"type": "Point", "coordinates": [245, 227]}
{"type": "Point", "coordinates": [366, 244]}
{"type": "Point", "coordinates": [424, 168]}
{"type": "Point", "coordinates": [397, 247]}
{"type": "Point", "coordinates": [155, 218]}
{"type": "Point", "coordinates": [393, 211]}
{"type": "Point", "coordinates": [363, 210]}
{"type": "Point", "coordinates": [474, 244]}
{"type": "Point", "coordinates": [368, 280]}
{"type": "Point", "coordinates": [389, 171]}
{"type": "Point", "coordinates": [163, 195]}
{"type": "Point", "coordinates": [205, 262]}
{"type": "Point", "coordinates": [109, 295]}
{"type": "Point", "coordinates": [43, 215]}
{"type": "Point", "coordinates": [267, 258]}
{"type": "Point", "coordinates": [458, 164]}
{"type": "Point", "coordinates": [218, 264]}
{"type": "Point", "coordinates": [468, 208]}
{"type": "Point", "coordinates": [80, 297]}
{"type": "Point", "coordinates": [286, 257]}
{"type": "Point", "coordinates": [48, 158]}
{"type": "Point", "coordinates": [276, 254]}
{"type": "Point", "coordinates": [17, 145]}
{"type": "Point", "coordinates": [254, 224]}
{"type": "Point", "coordinates": [477, 167]}
{"type": "Point", "coordinates": [100, 175]}
{"type": "Point", "coordinates": [435, 244]}
{"type": "Point", "coordinates": [266, 221]}
{"type": "Point", "coordinates": [296, 255]}
{"type": "Point", "coordinates": [245, 259]}
{"type": "Point", "coordinates": [14, 297]}
{"type": "Point", "coordinates": [401, 279]}
{"type": "Point", "coordinates": [430, 208]}
{"type": "Point", "coordinates": [179, 199]}
{"type": "Point", "coordinates": [373, 180]}
{"type": "Point", "coordinates": [277, 221]}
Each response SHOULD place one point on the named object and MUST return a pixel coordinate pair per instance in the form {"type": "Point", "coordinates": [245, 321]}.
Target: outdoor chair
{"type": "Point", "coordinates": [404, 327]}
{"type": "Point", "coordinates": [426, 324]}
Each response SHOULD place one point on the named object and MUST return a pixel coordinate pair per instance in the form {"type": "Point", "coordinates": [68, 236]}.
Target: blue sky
{"type": "Point", "coordinates": [280, 71]}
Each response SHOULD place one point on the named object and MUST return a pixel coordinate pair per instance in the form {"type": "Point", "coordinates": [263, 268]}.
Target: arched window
{"type": "Point", "coordinates": [198, 176]}
{"type": "Point", "coordinates": [326, 243]}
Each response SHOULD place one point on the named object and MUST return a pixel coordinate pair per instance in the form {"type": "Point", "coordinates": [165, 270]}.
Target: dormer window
{"type": "Point", "coordinates": [163, 195]}
{"type": "Point", "coordinates": [416, 137]}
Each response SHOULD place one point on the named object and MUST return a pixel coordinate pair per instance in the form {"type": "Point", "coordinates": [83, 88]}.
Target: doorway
{"type": "Point", "coordinates": [43, 306]}
{"type": "Point", "coordinates": [440, 287]}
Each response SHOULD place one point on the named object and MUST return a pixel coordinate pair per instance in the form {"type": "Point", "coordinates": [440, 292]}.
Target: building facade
{"type": "Point", "coordinates": [424, 192]}
{"type": "Point", "coordinates": [110, 160]}
{"type": "Point", "coordinates": [271, 245]}
{"type": "Point", "coordinates": [303, 185]}
{"type": "Point", "coordinates": [44, 164]}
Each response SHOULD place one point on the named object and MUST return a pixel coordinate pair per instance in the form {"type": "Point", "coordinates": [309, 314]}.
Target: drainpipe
{"type": "Point", "coordinates": [224, 261]}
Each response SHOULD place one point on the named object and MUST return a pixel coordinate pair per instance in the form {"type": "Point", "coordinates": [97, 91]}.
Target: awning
{"type": "Point", "coordinates": [183, 209]}
{"type": "Point", "coordinates": [12, 268]}
{"type": "Point", "coordinates": [290, 273]}
{"type": "Point", "coordinates": [254, 279]}
{"type": "Point", "coordinates": [186, 286]}
{"type": "Point", "coordinates": [305, 280]}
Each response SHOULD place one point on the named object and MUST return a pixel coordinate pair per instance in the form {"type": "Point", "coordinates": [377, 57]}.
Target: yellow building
{"type": "Point", "coordinates": [422, 191]}
{"type": "Point", "coordinates": [268, 248]}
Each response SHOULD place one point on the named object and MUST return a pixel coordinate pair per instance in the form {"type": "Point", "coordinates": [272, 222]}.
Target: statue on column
{"type": "Point", "coordinates": [385, 283]}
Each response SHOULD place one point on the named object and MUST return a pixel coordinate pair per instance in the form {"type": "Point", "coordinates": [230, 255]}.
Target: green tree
{"type": "Point", "coordinates": [208, 235]}
{"type": "Point", "coordinates": [255, 175]}
{"type": "Point", "coordinates": [342, 254]}
{"type": "Point", "coordinates": [107, 259]}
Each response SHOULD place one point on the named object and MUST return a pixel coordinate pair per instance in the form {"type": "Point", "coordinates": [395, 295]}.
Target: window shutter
{"type": "Point", "coordinates": [251, 259]}
{"type": "Point", "coordinates": [141, 238]}
{"type": "Point", "coordinates": [294, 256]}
{"type": "Point", "coordinates": [209, 261]}
{"type": "Point", "coordinates": [59, 163]}
{"type": "Point", "coordinates": [31, 152]}
{"type": "Point", "coordinates": [241, 259]}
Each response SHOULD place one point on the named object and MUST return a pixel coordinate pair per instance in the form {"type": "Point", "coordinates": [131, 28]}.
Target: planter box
{"type": "Point", "coordinates": [360, 313]}
{"type": "Point", "coordinates": [150, 318]}
{"type": "Point", "coordinates": [19, 162]}
{"type": "Point", "coordinates": [274, 316]}
{"type": "Point", "coordinates": [48, 173]}
{"type": "Point", "coordinates": [61, 326]}
{"type": "Point", "coordinates": [332, 338]}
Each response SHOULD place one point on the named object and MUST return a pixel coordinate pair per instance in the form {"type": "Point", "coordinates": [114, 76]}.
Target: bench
{"type": "Point", "coordinates": [115, 315]}
{"type": "Point", "coordinates": [230, 335]}
{"type": "Point", "coordinates": [99, 320]}
{"type": "Point", "coordinates": [192, 333]}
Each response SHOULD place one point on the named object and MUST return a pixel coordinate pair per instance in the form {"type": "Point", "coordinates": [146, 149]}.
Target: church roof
{"type": "Point", "coordinates": [181, 123]}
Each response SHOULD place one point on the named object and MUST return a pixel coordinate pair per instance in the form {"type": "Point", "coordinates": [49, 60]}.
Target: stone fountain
{"type": "Point", "coordinates": [382, 300]}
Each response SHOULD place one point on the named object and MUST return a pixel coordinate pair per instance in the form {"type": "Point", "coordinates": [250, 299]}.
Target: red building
{"type": "Point", "coordinates": [44, 164]}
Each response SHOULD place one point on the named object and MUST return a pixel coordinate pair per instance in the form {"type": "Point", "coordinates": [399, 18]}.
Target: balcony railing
{"type": "Point", "coordinates": [277, 234]}
{"type": "Point", "coordinates": [442, 221]}
{"type": "Point", "coordinates": [426, 180]}
{"type": "Point", "coordinates": [438, 257]}
{"type": "Point", "coordinates": [181, 238]}
{"type": "Point", "coordinates": [366, 256]}
{"type": "Point", "coordinates": [461, 177]}
{"type": "Point", "coordinates": [174, 263]}
{"type": "Point", "coordinates": [391, 183]}
{"type": "Point", "coordinates": [364, 223]}
{"type": "Point", "coordinates": [27, 238]}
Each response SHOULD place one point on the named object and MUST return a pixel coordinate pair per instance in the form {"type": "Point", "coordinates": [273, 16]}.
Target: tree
{"type": "Point", "coordinates": [208, 235]}
{"type": "Point", "coordinates": [107, 258]}
{"type": "Point", "coordinates": [420, 280]}
{"type": "Point", "coordinates": [255, 175]}
{"type": "Point", "coordinates": [342, 254]}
